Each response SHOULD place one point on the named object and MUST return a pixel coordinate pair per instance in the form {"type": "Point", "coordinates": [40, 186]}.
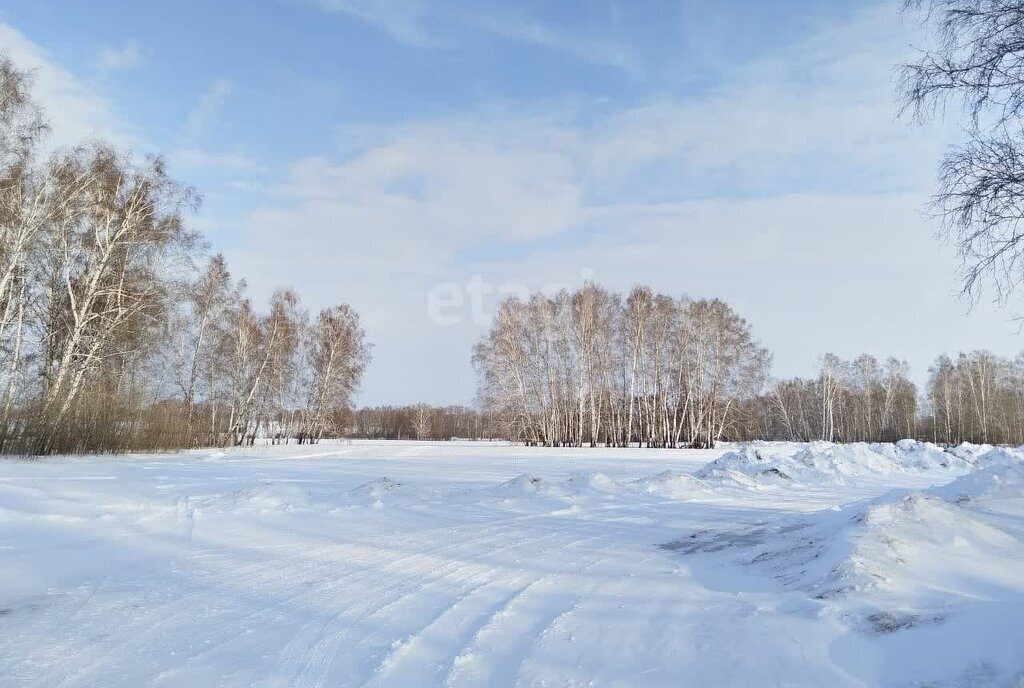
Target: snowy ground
{"type": "Point", "coordinates": [400, 564]}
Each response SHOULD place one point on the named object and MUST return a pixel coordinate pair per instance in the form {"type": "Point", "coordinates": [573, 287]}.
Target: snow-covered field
{"type": "Point", "coordinates": [405, 564]}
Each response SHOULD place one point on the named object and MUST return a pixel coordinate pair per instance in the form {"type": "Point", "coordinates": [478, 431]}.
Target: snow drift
{"type": "Point", "coordinates": [817, 463]}
{"type": "Point", "coordinates": [897, 560]}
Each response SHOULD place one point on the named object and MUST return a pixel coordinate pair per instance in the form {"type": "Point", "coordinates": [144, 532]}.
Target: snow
{"type": "Point", "coordinates": [469, 564]}
{"type": "Point", "coordinates": [823, 462]}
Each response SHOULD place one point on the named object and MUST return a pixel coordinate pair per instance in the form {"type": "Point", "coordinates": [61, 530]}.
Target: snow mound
{"type": "Point", "coordinates": [592, 483]}
{"type": "Point", "coordinates": [375, 491]}
{"type": "Point", "coordinates": [1002, 479]}
{"type": "Point", "coordinates": [376, 488]}
{"type": "Point", "coordinates": [1000, 456]}
{"type": "Point", "coordinates": [668, 484]}
{"type": "Point", "coordinates": [583, 485]}
{"type": "Point", "coordinates": [969, 451]}
{"type": "Point", "coordinates": [271, 497]}
{"type": "Point", "coordinates": [826, 463]}
{"type": "Point", "coordinates": [746, 466]}
{"type": "Point", "coordinates": [671, 484]}
{"type": "Point", "coordinates": [907, 546]}
{"type": "Point", "coordinates": [921, 456]}
{"type": "Point", "coordinates": [723, 477]}
{"type": "Point", "coordinates": [525, 486]}
{"type": "Point", "coordinates": [921, 548]}
{"type": "Point", "coordinates": [817, 463]}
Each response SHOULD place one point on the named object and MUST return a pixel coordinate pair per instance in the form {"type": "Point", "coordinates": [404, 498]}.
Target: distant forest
{"type": "Point", "coordinates": [593, 368]}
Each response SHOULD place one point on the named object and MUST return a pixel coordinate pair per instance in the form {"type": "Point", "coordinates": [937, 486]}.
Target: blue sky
{"type": "Point", "coordinates": [383, 152]}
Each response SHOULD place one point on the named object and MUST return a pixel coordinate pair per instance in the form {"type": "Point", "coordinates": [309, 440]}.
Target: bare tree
{"type": "Point", "coordinates": [206, 306]}
{"type": "Point", "coordinates": [260, 348]}
{"type": "Point", "coordinates": [22, 217]}
{"type": "Point", "coordinates": [338, 355]}
{"type": "Point", "coordinates": [115, 226]}
{"type": "Point", "coordinates": [638, 307]}
{"type": "Point", "coordinates": [976, 58]}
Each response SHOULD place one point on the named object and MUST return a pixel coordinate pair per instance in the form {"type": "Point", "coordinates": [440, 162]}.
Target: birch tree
{"type": "Point", "coordinates": [338, 354]}
{"type": "Point", "coordinates": [974, 59]}
{"type": "Point", "coordinates": [115, 225]}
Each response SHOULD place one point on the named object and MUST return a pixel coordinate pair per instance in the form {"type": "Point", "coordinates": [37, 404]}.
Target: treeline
{"type": "Point", "coordinates": [977, 397]}
{"type": "Point", "coordinates": [114, 334]}
{"type": "Point", "coordinates": [422, 422]}
{"type": "Point", "coordinates": [849, 401]}
{"type": "Point", "coordinates": [591, 367]}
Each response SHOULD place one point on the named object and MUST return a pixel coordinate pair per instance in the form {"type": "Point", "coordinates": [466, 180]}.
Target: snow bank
{"type": "Point", "coordinates": [747, 466]}
{"type": "Point", "coordinates": [921, 456]}
{"type": "Point", "coordinates": [921, 548]}
{"type": "Point", "coordinates": [897, 560]}
{"type": "Point", "coordinates": [598, 484]}
{"type": "Point", "coordinates": [669, 484]}
{"type": "Point", "coordinates": [825, 463]}
{"type": "Point", "coordinates": [999, 455]}
{"type": "Point", "coordinates": [1000, 478]}
{"type": "Point", "coordinates": [755, 466]}
{"type": "Point", "coordinates": [969, 452]}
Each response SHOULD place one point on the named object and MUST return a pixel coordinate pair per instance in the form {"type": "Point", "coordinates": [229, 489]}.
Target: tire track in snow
{"type": "Point", "coordinates": [499, 647]}
{"type": "Point", "coordinates": [493, 539]}
{"type": "Point", "coordinates": [150, 622]}
{"type": "Point", "coordinates": [423, 653]}
{"type": "Point", "coordinates": [82, 595]}
{"type": "Point", "coordinates": [427, 649]}
{"type": "Point", "coordinates": [332, 635]}
{"type": "Point", "coordinates": [156, 618]}
{"type": "Point", "coordinates": [310, 656]}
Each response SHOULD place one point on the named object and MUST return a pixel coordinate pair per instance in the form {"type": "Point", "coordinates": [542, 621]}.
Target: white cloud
{"type": "Point", "coordinates": [400, 19]}
{"type": "Point", "coordinates": [823, 104]}
{"type": "Point", "coordinates": [812, 272]}
{"type": "Point", "coordinates": [456, 180]}
{"type": "Point", "coordinates": [208, 109]}
{"type": "Point", "coordinates": [114, 58]}
{"type": "Point", "coordinates": [431, 25]}
{"type": "Point", "coordinates": [246, 185]}
{"type": "Point", "coordinates": [600, 50]}
{"type": "Point", "coordinates": [197, 158]}
{"type": "Point", "coordinates": [75, 111]}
